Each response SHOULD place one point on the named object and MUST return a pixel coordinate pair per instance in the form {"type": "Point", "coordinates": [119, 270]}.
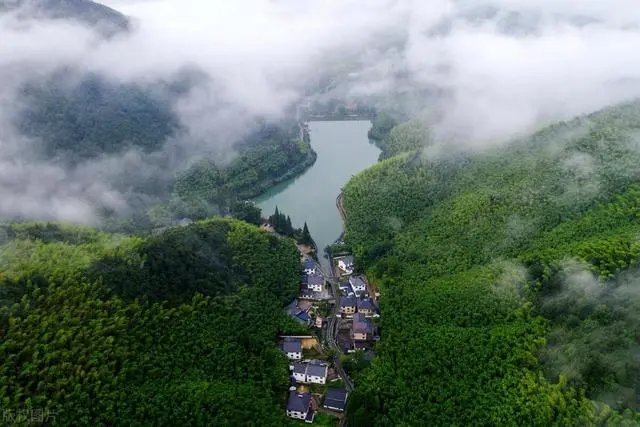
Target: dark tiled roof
{"type": "Point", "coordinates": [366, 304]}
{"type": "Point", "coordinates": [293, 346]}
{"type": "Point", "coordinates": [347, 260]}
{"type": "Point", "coordinates": [315, 279]}
{"type": "Point", "coordinates": [336, 398]}
{"type": "Point", "coordinates": [316, 370]}
{"type": "Point", "coordinates": [356, 281]}
{"type": "Point", "coordinates": [298, 401]}
{"type": "Point", "coordinates": [309, 263]}
{"type": "Point", "coordinates": [299, 368]}
{"type": "Point", "coordinates": [361, 324]}
{"type": "Point", "coordinates": [360, 345]}
{"type": "Point", "coordinates": [348, 301]}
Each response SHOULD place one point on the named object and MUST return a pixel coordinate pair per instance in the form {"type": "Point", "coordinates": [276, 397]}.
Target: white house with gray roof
{"type": "Point", "coordinates": [315, 282]}
{"type": "Point", "coordinates": [299, 405]}
{"type": "Point", "coordinates": [314, 372]}
{"type": "Point", "coordinates": [292, 348]}
{"type": "Point", "coordinates": [346, 264]}
{"type": "Point", "coordinates": [310, 266]}
{"type": "Point", "coordinates": [357, 284]}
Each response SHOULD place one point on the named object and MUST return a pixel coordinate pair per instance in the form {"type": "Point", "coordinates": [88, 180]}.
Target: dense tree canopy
{"type": "Point", "coordinates": [79, 120]}
{"type": "Point", "coordinates": [507, 279]}
{"type": "Point", "coordinates": [175, 329]}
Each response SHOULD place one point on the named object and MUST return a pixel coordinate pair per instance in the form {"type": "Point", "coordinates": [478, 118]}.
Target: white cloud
{"type": "Point", "coordinates": [509, 65]}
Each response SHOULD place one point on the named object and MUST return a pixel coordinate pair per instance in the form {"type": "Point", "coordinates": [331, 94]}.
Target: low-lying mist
{"type": "Point", "coordinates": [506, 68]}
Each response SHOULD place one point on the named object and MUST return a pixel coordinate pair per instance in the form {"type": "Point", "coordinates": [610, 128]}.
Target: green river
{"type": "Point", "coordinates": [343, 150]}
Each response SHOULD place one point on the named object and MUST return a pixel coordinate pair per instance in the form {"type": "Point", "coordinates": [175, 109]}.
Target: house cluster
{"type": "Point", "coordinates": [357, 298]}
{"type": "Point", "coordinates": [301, 404]}
{"type": "Point", "coordinates": [313, 285]}
{"type": "Point", "coordinates": [310, 372]}
{"type": "Point", "coordinates": [355, 286]}
{"type": "Point", "coordinates": [303, 372]}
{"type": "Point", "coordinates": [356, 304]}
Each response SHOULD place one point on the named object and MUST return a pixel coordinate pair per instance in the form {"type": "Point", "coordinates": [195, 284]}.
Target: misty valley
{"type": "Point", "coordinates": [319, 213]}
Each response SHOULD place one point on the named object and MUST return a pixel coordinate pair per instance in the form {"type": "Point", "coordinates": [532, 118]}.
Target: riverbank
{"type": "Point", "coordinates": [343, 215]}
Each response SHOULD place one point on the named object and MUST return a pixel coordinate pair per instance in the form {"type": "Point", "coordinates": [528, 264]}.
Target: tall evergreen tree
{"type": "Point", "coordinates": [289, 227]}
{"type": "Point", "coordinates": [275, 220]}
{"type": "Point", "coordinates": [305, 239]}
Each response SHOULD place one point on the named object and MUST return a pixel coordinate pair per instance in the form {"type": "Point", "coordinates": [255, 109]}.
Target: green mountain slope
{"type": "Point", "coordinates": [175, 329]}
{"type": "Point", "coordinates": [473, 254]}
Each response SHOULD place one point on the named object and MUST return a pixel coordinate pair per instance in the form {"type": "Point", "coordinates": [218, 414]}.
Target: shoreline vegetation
{"type": "Point", "coordinates": [297, 170]}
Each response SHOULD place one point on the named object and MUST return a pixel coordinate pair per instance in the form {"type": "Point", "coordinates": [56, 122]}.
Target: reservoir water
{"type": "Point", "coordinates": [343, 150]}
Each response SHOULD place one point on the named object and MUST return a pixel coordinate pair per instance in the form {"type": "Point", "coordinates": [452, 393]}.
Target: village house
{"type": "Point", "coordinates": [292, 348]}
{"type": "Point", "coordinates": [336, 399]}
{"type": "Point", "coordinates": [346, 264]}
{"type": "Point", "coordinates": [310, 266]}
{"type": "Point", "coordinates": [315, 282]}
{"type": "Point", "coordinates": [361, 328]}
{"type": "Point", "coordinates": [346, 288]}
{"type": "Point", "coordinates": [357, 284]}
{"type": "Point", "coordinates": [348, 305]}
{"type": "Point", "coordinates": [366, 307]}
{"type": "Point", "coordinates": [303, 317]}
{"type": "Point", "coordinates": [300, 372]}
{"type": "Point", "coordinates": [299, 406]}
{"type": "Point", "coordinates": [298, 311]}
{"type": "Point", "coordinates": [314, 372]}
{"type": "Point", "coordinates": [306, 292]}
{"type": "Point", "coordinates": [317, 372]}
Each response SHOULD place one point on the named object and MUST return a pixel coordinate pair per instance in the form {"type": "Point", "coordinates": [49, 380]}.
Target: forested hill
{"type": "Point", "coordinates": [174, 329]}
{"type": "Point", "coordinates": [84, 122]}
{"type": "Point", "coordinates": [508, 279]}
{"type": "Point", "coordinates": [73, 119]}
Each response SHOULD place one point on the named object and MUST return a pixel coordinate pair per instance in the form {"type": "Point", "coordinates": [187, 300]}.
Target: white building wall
{"type": "Point", "coordinates": [300, 377]}
{"type": "Point", "coordinates": [296, 414]}
{"type": "Point", "coordinates": [316, 288]}
{"type": "Point", "coordinates": [295, 356]}
{"type": "Point", "coordinates": [344, 267]}
{"type": "Point", "coordinates": [317, 380]}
